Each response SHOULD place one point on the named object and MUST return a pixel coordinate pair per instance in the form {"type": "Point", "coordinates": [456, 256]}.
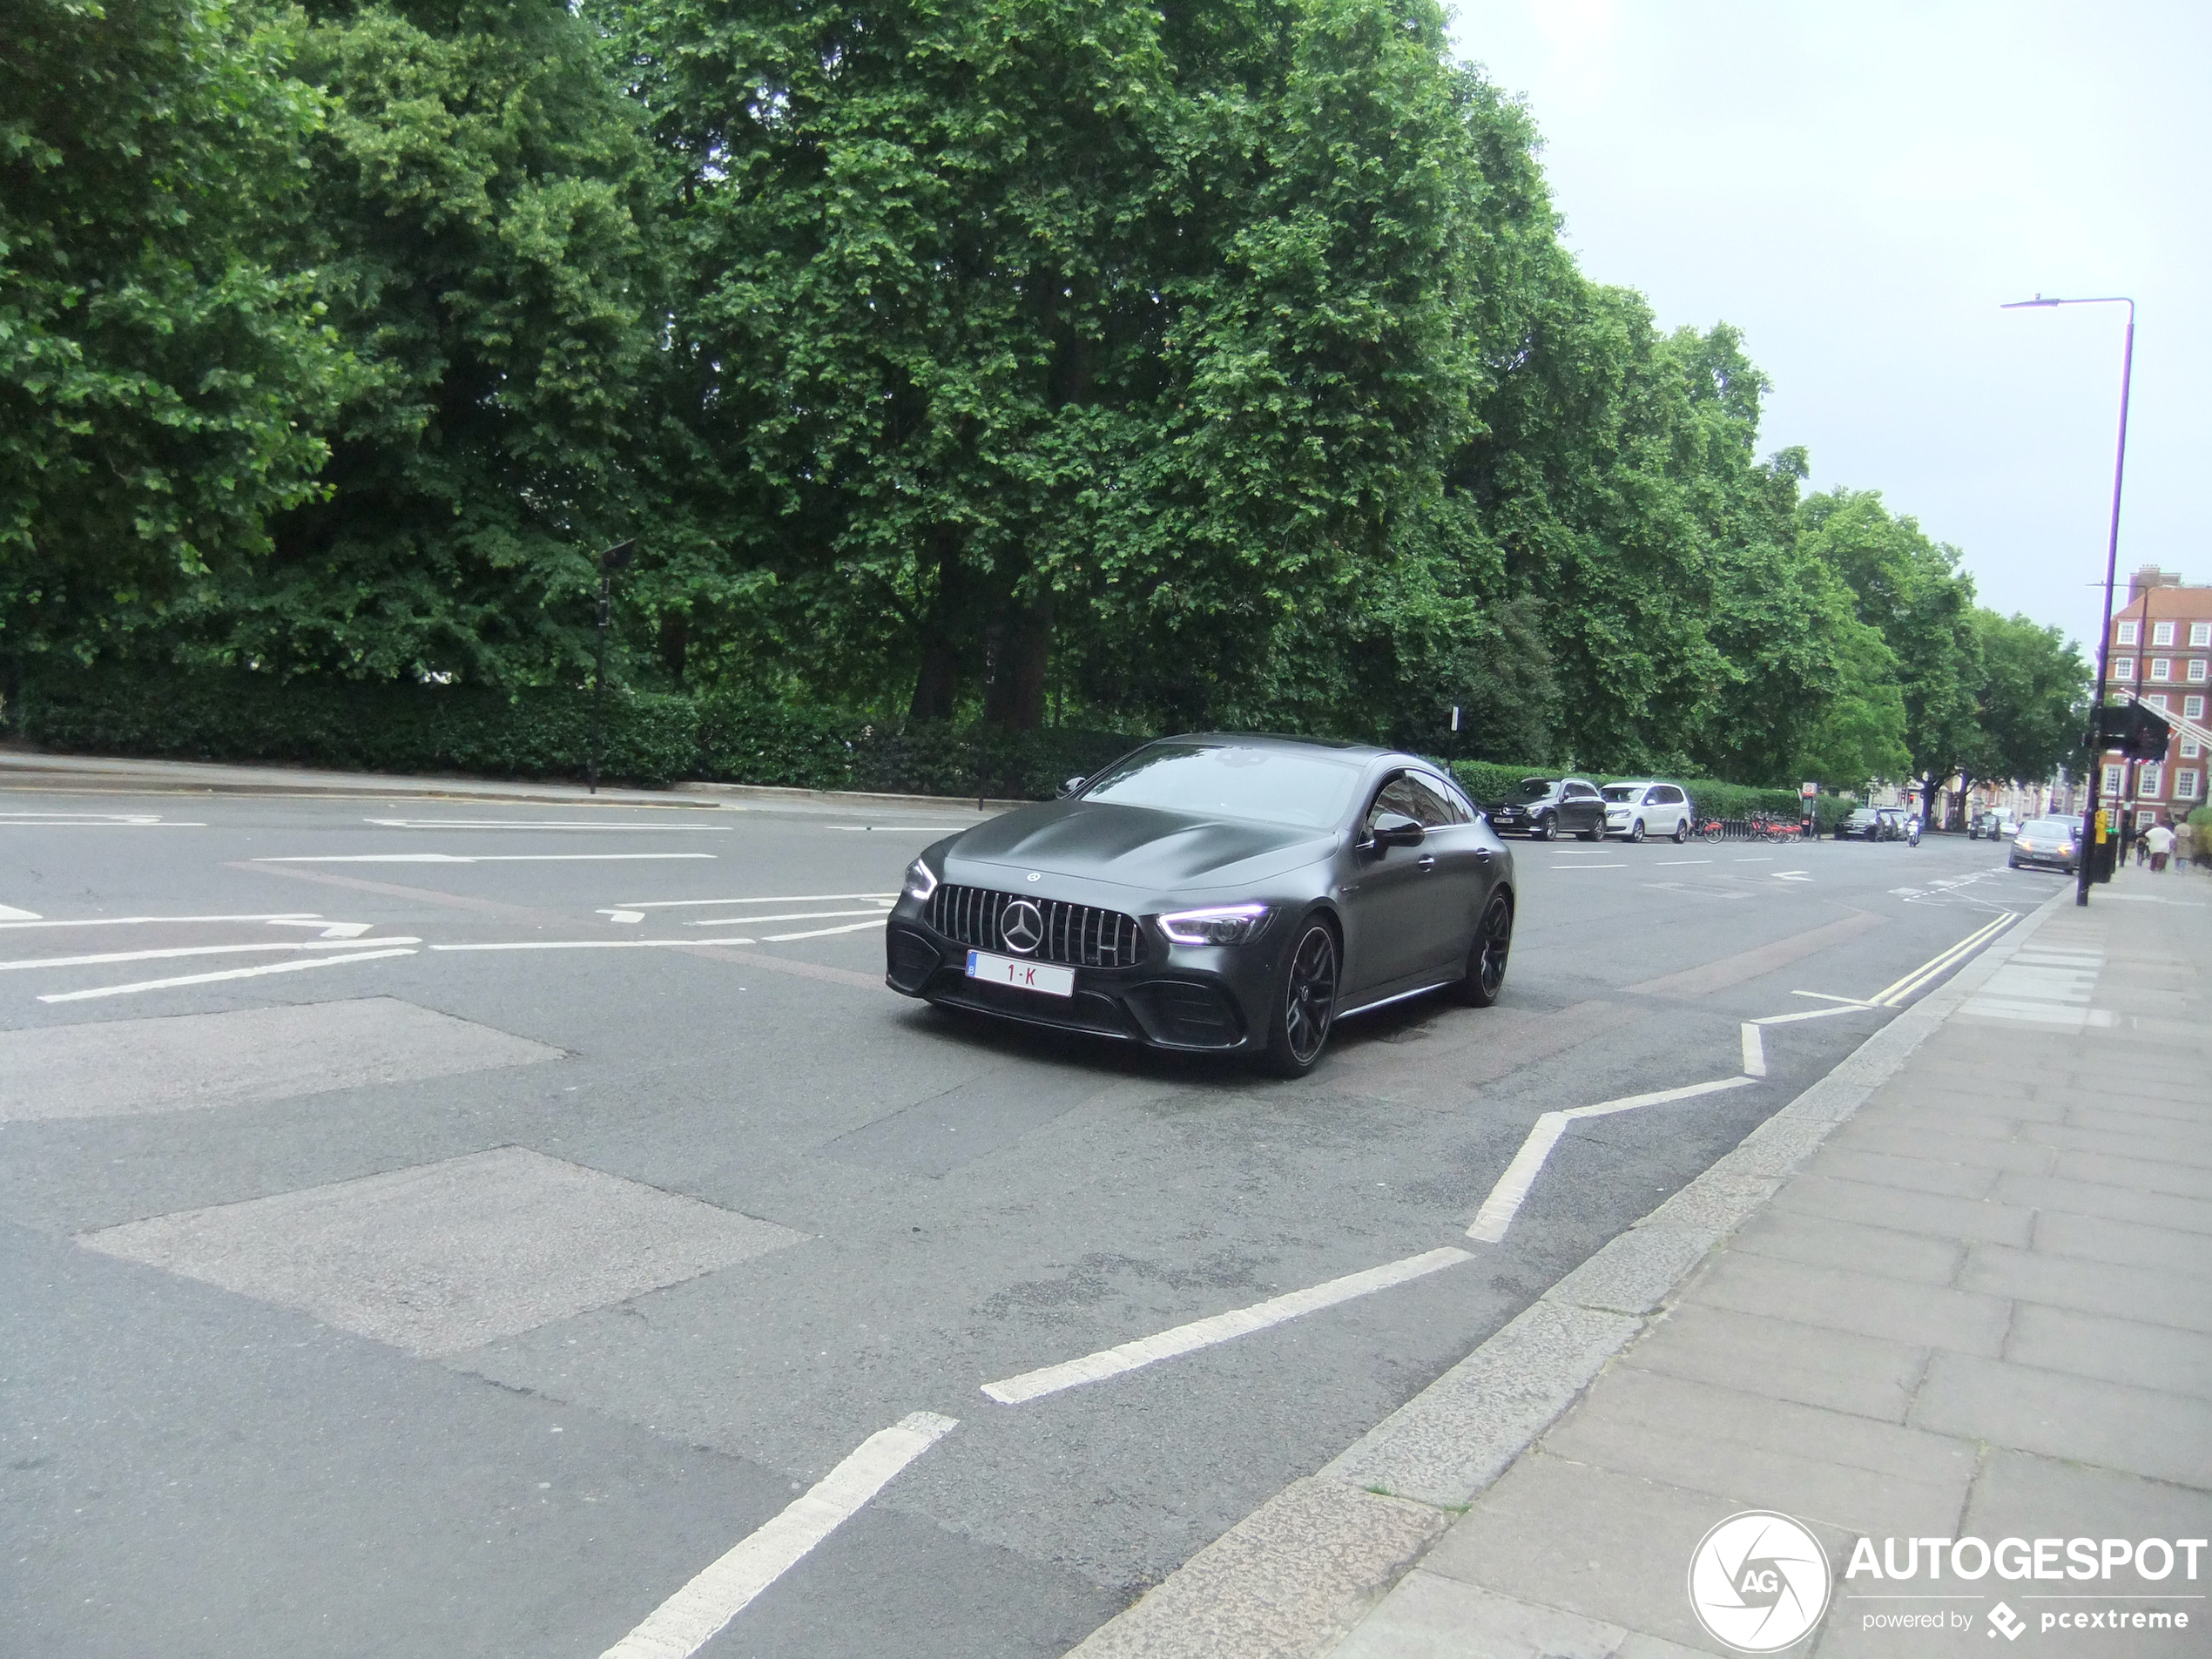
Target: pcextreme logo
{"type": "Point", "coordinates": [1758, 1581]}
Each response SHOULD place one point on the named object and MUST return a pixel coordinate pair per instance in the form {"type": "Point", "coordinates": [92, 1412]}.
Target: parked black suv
{"type": "Point", "coordinates": [1544, 807]}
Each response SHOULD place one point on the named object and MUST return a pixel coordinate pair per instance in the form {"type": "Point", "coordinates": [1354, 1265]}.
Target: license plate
{"type": "Point", "coordinates": [1028, 976]}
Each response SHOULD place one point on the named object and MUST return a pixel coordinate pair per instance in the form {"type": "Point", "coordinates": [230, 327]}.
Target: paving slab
{"type": "Point", "coordinates": [1916, 1212]}
{"type": "Point", "coordinates": [2136, 1431]}
{"type": "Point", "coordinates": [1844, 1299]}
{"type": "Point", "coordinates": [2103, 1239]}
{"type": "Point", "coordinates": [1783, 1360]}
{"type": "Point", "coordinates": [2116, 1350]}
{"type": "Point", "coordinates": [1794, 1236]}
{"type": "Point", "coordinates": [2159, 1295]}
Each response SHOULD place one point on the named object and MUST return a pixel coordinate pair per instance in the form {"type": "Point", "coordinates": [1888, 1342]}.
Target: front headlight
{"type": "Point", "coordinates": [1228, 924]}
{"type": "Point", "coordinates": [921, 881]}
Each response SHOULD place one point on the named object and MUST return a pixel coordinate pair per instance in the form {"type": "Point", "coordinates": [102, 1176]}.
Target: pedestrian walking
{"type": "Point", "coordinates": [2184, 843]}
{"type": "Point", "coordinates": [2160, 840]}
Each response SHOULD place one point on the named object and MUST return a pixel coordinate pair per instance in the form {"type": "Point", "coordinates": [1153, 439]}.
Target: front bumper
{"type": "Point", "coordinates": [1191, 998]}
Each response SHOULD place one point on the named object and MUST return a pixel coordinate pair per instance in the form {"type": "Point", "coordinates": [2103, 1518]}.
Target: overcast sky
{"type": "Point", "coordinates": [1857, 187]}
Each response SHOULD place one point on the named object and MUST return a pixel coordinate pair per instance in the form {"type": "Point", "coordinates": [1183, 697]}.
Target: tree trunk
{"type": "Point", "coordinates": [1016, 699]}
{"type": "Point", "coordinates": [937, 686]}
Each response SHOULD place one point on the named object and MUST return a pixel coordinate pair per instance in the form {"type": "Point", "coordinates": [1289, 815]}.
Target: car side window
{"type": "Point", "coordinates": [1397, 796]}
{"type": "Point", "coordinates": [1581, 792]}
{"type": "Point", "coordinates": [1462, 810]}
{"type": "Point", "coordinates": [1439, 809]}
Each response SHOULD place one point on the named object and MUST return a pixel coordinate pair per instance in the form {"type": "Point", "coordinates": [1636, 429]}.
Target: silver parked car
{"type": "Point", "coordinates": [1640, 809]}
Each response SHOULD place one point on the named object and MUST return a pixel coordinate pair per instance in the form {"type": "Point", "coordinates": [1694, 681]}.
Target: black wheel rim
{"type": "Point", "coordinates": [1496, 944]}
{"type": "Point", "coordinates": [1311, 997]}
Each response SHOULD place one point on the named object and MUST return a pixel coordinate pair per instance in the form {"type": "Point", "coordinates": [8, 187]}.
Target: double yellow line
{"type": "Point", "coordinates": [1921, 977]}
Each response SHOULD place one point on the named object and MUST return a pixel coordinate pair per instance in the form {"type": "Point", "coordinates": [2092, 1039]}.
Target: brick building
{"type": "Point", "coordinates": [2161, 648]}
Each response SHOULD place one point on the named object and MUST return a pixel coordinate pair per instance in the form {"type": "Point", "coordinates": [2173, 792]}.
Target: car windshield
{"type": "Point", "coordinates": [2048, 828]}
{"type": "Point", "coordinates": [1536, 788]}
{"type": "Point", "coordinates": [1269, 785]}
{"type": "Point", "coordinates": [1623, 791]}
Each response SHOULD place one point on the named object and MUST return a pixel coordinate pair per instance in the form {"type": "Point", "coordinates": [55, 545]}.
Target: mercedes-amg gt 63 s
{"type": "Point", "coordinates": [1219, 891]}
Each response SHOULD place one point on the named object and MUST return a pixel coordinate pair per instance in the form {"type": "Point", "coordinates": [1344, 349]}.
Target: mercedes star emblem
{"type": "Point", "coordinates": [1022, 926]}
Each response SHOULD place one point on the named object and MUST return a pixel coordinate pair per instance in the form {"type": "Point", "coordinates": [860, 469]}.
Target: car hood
{"type": "Point", "coordinates": [1137, 846]}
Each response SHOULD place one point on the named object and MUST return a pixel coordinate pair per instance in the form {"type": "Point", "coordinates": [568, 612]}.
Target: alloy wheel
{"type": "Point", "coordinates": [1310, 994]}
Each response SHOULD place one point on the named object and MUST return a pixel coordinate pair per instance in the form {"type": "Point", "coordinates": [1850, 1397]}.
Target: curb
{"type": "Point", "coordinates": [103, 774]}
{"type": "Point", "coordinates": [1292, 1578]}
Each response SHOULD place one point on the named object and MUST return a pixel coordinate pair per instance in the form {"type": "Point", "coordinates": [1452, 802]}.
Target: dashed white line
{"type": "Point", "coordinates": [1222, 1327]}
{"type": "Point", "coordinates": [530, 824]}
{"type": "Point", "coordinates": [475, 858]}
{"type": "Point", "coordinates": [823, 933]}
{"type": "Point", "coordinates": [141, 921]}
{"type": "Point", "coordinates": [594, 944]}
{"type": "Point", "coordinates": [1585, 867]}
{"type": "Point", "coordinates": [690, 1619]}
{"type": "Point", "coordinates": [897, 829]}
{"type": "Point", "coordinates": [105, 957]}
{"type": "Point", "coordinates": [234, 973]}
{"type": "Point", "coordinates": [1504, 1200]}
{"type": "Point", "coordinates": [1754, 1051]}
{"type": "Point", "coordinates": [789, 915]}
{"type": "Point", "coordinates": [781, 898]}
{"type": "Point", "coordinates": [1669, 864]}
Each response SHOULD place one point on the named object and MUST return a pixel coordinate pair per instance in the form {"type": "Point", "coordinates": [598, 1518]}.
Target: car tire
{"type": "Point", "coordinates": [1542, 829]}
{"type": "Point", "coordinates": [1302, 998]}
{"type": "Point", "coordinates": [1596, 833]}
{"type": "Point", "coordinates": [1486, 964]}
{"type": "Point", "coordinates": [1682, 832]}
{"type": "Point", "coordinates": [1635, 833]}
{"type": "Point", "coordinates": [2012, 864]}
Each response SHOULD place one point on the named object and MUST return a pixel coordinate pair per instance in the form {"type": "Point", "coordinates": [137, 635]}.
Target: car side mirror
{"type": "Point", "coordinates": [1069, 785]}
{"type": "Point", "coordinates": [1395, 829]}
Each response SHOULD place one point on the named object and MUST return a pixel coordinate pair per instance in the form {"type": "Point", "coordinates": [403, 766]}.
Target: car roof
{"type": "Point", "coordinates": [1278, 741]}
{"type": "Point", "coordinates": [1632, 783]}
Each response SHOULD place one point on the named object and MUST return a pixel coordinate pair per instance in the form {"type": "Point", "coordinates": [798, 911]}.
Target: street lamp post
{"type": "Point", "coordinates": [610, 561]}
{"type": "Point", "coordinates": [2112, 567]}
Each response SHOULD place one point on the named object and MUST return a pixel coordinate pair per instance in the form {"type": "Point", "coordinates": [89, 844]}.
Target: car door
{"type": "Point", "coordinates": [1669, 812]}
{"type": "Point", "coordinates": [1392, 927]}
{"type": "Point", "coordinates": [1460, 879]}
{"type": "Point", "coordinates": [1581, 808]}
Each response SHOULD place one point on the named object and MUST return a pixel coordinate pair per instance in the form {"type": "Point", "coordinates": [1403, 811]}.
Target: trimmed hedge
{"type": "Point", "coordinates": [648, 738]}
{"type": "Point", "coordinates": [651, 738]}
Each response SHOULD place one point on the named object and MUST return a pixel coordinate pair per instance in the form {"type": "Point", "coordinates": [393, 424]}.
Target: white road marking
{"type": "Point", "coordinates": [141, 921]}
{"type": "Point", "coordinates": [1754, 1051]}
{"type": "Point", "coordinates": [592, 944]}
{"type": "Point", "coordinates": [1222, 1327]}
{"type": "Point", "coordinates": [896, 829]}
{"type": "Point", "coordinates": [1668, 863]}
{"type": "Point", "coordinates": [1921, 977]}
{"type": "Point", "coordinates": [329, 930]}
{"type": "Point", "coordinates": [690, 1619]}
{"type": "Point", "coordinates": [9, 912]}
{"type": "Point", "coordinates": [1585, 867]}
{"type": "Point", "coordinates": [1789, 875]}
{"type": "Point", "coordinates": [108, 956]}
{"type": "Point", "coordinates": [1843, 1007]}
{"type": "Point", "coordinates": [1768, 858]}
{"type": "Point", "coordinates": [482, 857]}
{"type": "Point", "coordinates": [233, 973]}
{"type": "Point", "coordinates": [784, 898]}
{"type": "Point", "coordinates": [1504, 1200]}
{"type": "Point", "coordinates": [823, 933]}
{"type": "Point", "coordinates": [528, 823]}
{"type": "Point", "coordinates": [1826, 996]}
{"type": "Point", "coordinates": [624, 915]}
{"type": "Point", "coordinates": [789, 915]}
{"type": "Point", "coordinates": [92, 820]}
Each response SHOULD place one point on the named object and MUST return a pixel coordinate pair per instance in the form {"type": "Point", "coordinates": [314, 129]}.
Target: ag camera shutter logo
{"type": "Point", "coordinates": [1758, 1581]}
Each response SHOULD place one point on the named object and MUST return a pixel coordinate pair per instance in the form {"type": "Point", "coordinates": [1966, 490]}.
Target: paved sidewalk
{"type": "Point", "coordinates": [1982, 1310]}
{"type": "Point", "coordinates": [1960, 1288]}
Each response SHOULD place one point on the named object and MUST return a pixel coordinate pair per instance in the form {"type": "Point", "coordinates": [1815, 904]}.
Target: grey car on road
{"type": "Point", "coordinates": [1219, 892]}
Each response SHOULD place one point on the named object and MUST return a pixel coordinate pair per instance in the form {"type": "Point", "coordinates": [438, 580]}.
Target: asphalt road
{"type": "Point", "coordinates": [445, 1296]}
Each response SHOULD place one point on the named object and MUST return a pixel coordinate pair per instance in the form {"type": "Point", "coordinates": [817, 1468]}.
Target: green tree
{"type": "Point", "coordinates": [1860, 737]}
{"type": "Point", "coordinates": [2032, 699]}
{"type": "Point", "coordinates": [476, 232]}
{"type": "Point", "coordinates": [163, 380]}
{"type": "Point", "coordinates": [1910, 591]}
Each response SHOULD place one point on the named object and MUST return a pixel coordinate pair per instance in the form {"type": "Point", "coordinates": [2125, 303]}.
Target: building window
{"type": "Point", "coordinates": [2201, 633]}
{"type": "Point", "coordinates": [2127, 635]}
{"type": "Point", "coordinates": [2157, 700]}
{"type": "Point", "coordinates": [2185, 784]}
{"type": "Point", "coordinates": [2191, 748]}
{"type": "Point", "coordinates": [2162, 633]}
{"type": "Point", "coordinates": [2149, 780]}
{"type": "Point", "coordinates": [2123, 668]}
{"type": "Point", "coordinates": [2112, 782]}
{"type": "Point", "coordinates": [2199, 670]}
{"type": "Point", "coordinates": [2192, 708]}
{"type": "Point", "coordinates": [2161, 668]}
{"type": "Point", "coordinates": [2146, 818]}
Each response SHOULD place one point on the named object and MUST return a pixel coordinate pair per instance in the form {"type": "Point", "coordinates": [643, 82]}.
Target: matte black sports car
{"type": "Point", "coordinates": [1216, 892]}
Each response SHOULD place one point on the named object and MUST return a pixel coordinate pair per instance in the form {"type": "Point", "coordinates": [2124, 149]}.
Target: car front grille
{"type": "Point", "coordinates": [1079, 936]}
